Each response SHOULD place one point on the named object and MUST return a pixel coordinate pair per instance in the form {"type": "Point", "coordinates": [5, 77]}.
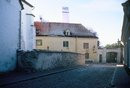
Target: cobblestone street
{"type": "Point", "coordinates": [92, 76]}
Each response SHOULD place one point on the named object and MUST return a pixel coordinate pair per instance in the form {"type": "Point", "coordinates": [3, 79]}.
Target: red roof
{"type": "Point", "coordinates": [57, 28]}
{"type": "Point", "coordinates": [39, 27]}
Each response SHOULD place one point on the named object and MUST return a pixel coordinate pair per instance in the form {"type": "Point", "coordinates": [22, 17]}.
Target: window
{"type": "Point", "coordinates": [86, 45]}
{"type": "Point", "coordinates": [98, 43]}
{"type": "Point", "coordinates": [65, 44]}
{"type": "Point", "coordinates": [67, 32]}
{"type": "Point", "coordinates": [39, 42]}
{"type": "Point", "coordinates": [37, 31]}
{"type": "Point", "coordinates": [86, 55]}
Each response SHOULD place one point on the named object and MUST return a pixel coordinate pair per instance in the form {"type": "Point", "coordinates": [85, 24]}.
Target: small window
{"type": "Point", "coordinates": [86, 45]}
{"type": "Point", "coordinates": [39, 42]}
{"type": "Point", "coordinates": [67, 32]}
{"type": "Point", "coordinates": [37, 31]}
{"type": "Point", "coordinates": [98, 43]}
{"type": "Point", "coordinates": [65, 44]}
{"type": "Point", "coordinates": [86, 55]}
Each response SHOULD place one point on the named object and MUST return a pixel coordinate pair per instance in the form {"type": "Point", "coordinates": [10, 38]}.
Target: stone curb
{"type": "Point", "coordinates": [38, 76]}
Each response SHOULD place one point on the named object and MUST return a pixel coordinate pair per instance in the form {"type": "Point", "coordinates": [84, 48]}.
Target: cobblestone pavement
{"type": "Point", "coordinates": [92, 76]}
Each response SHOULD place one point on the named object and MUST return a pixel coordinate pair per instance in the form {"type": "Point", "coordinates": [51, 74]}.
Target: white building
{"type": "Point", "coordinates": [27, 27]}
{"type": "Point", "coordinates": [16, 31]}
{"type": "Point", "coordinates": [9, 33]}
{"type": "Point", "coordinates": [112, 55]}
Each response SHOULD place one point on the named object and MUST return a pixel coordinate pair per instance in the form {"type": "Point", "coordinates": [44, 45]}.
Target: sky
{"type": "Point", "coordinates": [102, 16]}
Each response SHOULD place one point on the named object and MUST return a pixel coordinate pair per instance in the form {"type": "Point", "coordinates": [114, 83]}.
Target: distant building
{"type": "Point", "coordinates": [9, 33]}
{"type": "Point", "coordinates": [110, 55]}
{"type": "Point", "coordinates": [126, 33]}
{"type": "Point", "coordinates": [68, 37]}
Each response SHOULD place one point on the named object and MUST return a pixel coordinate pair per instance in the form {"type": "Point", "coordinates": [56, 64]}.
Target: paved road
{"type": "Point", "coordinates": [92, 76]}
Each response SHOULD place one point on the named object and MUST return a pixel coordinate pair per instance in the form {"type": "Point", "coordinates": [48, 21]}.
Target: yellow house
{"type": "Point", "coordinates": [68, 37]}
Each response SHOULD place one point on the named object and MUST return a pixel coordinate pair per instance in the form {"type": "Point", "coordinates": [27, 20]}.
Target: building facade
{"type": "Point", "coordinates": [28, 33]}
{"type": "Point", "coordinates": [9, 33]}
{"type": "Point", "coordinates": [126, 32]}
{"type": "Point", "coordinates": [16, 31]}
{"type": "Point", "coordinates": [67, 37]}
{"type": "Point", "coordinates": [111, 55]}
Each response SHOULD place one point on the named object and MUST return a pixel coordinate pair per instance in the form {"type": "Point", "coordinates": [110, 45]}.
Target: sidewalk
{"type": "Point", "coordinates": [121, 78]}
{"type": "Point", "coordinates": [15, 77]}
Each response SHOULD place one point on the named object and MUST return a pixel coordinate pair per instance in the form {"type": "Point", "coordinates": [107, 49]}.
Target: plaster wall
{"type": "Point", "coordinates": [55, 43]}
{"type": "Point", "coordinates": [27, 29]}
{"type": "Point", "coordinates": [9, 33]}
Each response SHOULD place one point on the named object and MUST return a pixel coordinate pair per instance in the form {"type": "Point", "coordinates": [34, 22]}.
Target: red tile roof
{"type": "Point", "coordinates": [57, 29]}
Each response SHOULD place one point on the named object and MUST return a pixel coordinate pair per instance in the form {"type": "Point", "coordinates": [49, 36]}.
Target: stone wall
{"type": "Point", "coordinates": [43, 60]}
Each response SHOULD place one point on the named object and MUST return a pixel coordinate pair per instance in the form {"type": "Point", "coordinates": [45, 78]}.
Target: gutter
{"type": "Point", "coordinates": [27, 3]}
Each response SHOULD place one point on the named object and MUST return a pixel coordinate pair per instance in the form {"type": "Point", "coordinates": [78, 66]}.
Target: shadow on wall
{"type": "Point", "coordinates": [43, 60]}
{"type": "Point", "coordinates": [7, 65]}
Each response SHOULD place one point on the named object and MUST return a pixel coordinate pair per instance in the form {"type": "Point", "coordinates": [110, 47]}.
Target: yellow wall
{"type": "Point", "coordinates": [92, 51]}
{"type": "Point", "coordinates": [75, 45]}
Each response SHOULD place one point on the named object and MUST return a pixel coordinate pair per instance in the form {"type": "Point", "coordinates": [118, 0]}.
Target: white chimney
{"type": "Point", "coordinates": [65, 14]}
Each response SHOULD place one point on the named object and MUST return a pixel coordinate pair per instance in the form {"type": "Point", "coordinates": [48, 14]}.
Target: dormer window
{"type": "Point", "coordinates": [37, 31]}
{"type": "Point", "coordinates": [67, 32]}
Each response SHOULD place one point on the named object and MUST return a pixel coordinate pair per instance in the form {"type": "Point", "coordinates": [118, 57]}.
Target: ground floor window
{"type": "Point", "coordinates": [100, 58]}
{"type": "Point", "coordinates": [39, 42]}
{"type": "Point", "coordinates": [86, 55]}
{"type": "Point", "coordinates": [65, 44]}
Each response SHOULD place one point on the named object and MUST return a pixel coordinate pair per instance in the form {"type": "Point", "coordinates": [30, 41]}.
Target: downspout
{"type": "Point", "coordinates": [20, 13]}
{"type": "Point", "coordinates": [76, 44]}
{"type": "Point", "coordinates": [20, 31]}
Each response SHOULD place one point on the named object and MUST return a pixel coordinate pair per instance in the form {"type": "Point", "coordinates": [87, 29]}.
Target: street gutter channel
{"type": "Point", "coordinates": [112, 80]}
{"type": "Point", "coordinates": [44, 75]}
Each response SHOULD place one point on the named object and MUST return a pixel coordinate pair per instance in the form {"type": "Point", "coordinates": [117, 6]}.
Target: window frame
{"type": "Point", "coordinates": [86, 55]}
{"type": "Point", "coordinates": [39, 42]}
{"type": "Point", "coordinates": [66, 44]}
{"type": "Point", "coordinates": [85, 45]}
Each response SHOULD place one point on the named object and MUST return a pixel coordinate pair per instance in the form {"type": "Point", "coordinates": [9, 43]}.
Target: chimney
{"type": "Point", "coordinates": [65, 14]}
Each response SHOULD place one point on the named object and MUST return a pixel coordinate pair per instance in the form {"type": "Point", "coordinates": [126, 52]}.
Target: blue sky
{"type": "Point", "coordinates": [103, 16]}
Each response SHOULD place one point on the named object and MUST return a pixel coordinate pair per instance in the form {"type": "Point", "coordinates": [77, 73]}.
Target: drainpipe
{"type": "Point", "coordinates": [76, 44]}
{"type": "Point", "coordinates": [19, 45]}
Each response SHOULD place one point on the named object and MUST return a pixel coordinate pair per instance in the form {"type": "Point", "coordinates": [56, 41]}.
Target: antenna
{"type": "Point", "coordinates": [65, 14]}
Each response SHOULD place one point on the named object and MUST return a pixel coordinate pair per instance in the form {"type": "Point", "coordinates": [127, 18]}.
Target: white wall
{"type": "Point", "coordinates": [104, 51]}
{"type": "Point", "coordinates": [9, 33]}
{"type": "Point", "coordinates": [27, 30]}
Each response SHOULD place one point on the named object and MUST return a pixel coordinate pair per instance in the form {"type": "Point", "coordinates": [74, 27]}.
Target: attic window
{"type": "Point", "coordinates": [67, 32]}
